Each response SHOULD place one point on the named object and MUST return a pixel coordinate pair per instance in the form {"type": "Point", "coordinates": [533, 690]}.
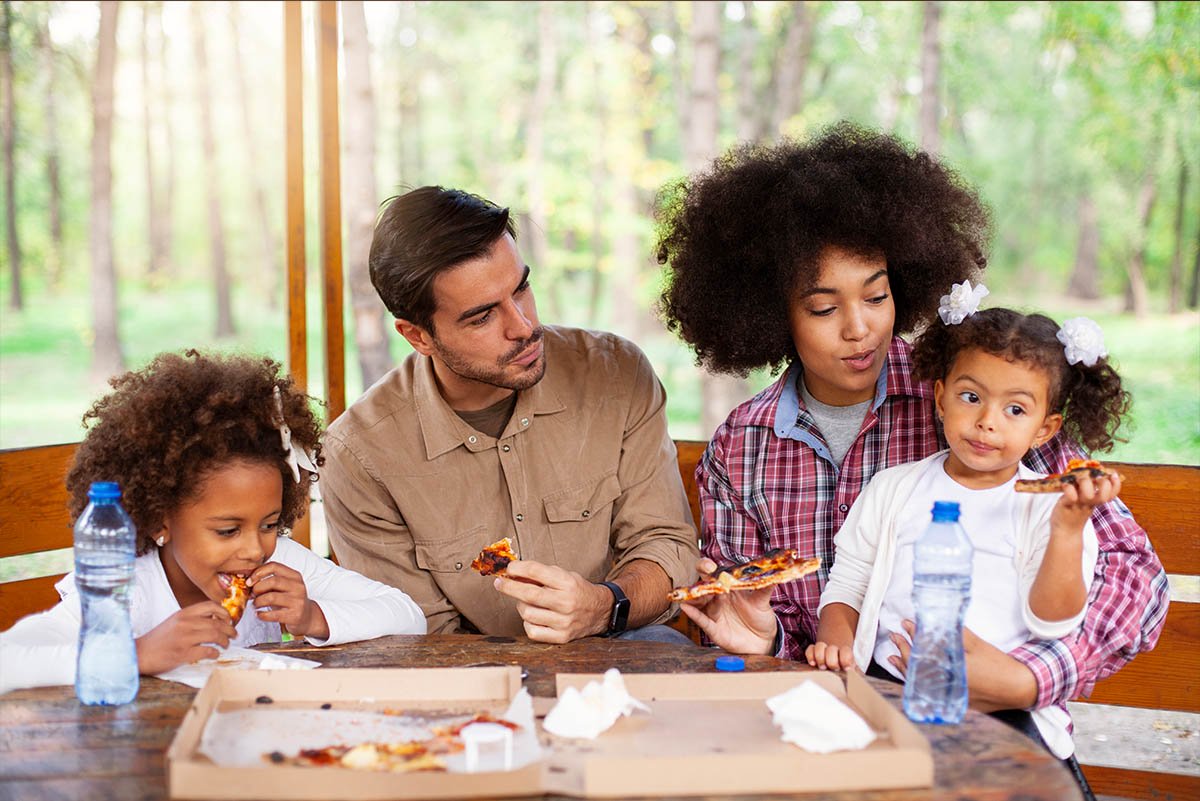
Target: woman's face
{"type": "Point", "coordinates": [842, 326]}
{"type": "Point", "coordinates": [229, 527]}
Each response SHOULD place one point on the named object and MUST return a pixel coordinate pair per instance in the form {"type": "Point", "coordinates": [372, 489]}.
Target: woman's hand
{"type": "Point", "coordinates": [739, 622]}
{"type": "Point", "coordinates": [281, 597]}
{"type": "Point", "coordinates": [187, 636]}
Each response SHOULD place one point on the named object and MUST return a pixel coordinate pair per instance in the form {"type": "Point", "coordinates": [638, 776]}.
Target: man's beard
{"type": "Point", "coordinates": [496, 377]}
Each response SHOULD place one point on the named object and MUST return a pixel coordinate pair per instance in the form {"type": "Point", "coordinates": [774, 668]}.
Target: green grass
{"type": "Point", "coordinates": [45, 356]}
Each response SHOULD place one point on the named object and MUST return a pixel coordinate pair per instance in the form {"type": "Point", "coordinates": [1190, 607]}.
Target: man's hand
{"type": "Point", "coordinates": [739, 622]}
{"type": "Point", "coordinates": [280, 596]}
{"type": "Point", "coordinates": [558, 605]}
{"type": "Point", "coordinates": [994, 679]}
{"type": "Point", "coordinates": [187, 636]}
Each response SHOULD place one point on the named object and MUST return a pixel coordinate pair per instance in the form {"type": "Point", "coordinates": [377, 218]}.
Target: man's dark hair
{"type": "Point", "coordinates": [422, 234]}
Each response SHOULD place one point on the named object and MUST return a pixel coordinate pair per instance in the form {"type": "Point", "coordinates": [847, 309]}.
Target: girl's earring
{"type": "Point", "coordinates": [161, 541]}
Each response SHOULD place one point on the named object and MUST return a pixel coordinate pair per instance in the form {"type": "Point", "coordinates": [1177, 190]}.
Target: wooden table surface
{"type": "Point", "coordinates": [52, 747]}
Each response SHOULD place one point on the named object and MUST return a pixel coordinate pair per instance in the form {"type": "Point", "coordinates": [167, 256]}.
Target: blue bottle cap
{"type": "Point", "coordinates": [104, 490]}
{"type": "Point", "coordinates": [945, 510]}
{"type": "Point", "coordinates": [731, 664]}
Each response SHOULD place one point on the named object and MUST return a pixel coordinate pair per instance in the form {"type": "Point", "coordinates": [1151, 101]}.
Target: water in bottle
{"type": "Point", "coordinates": [105, 546]}
{"type": "Point", "coordinates": [935, 688]}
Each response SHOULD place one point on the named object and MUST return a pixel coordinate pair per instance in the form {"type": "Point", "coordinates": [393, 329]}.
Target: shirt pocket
{"type": "Point", "coordinates": [585, 503]}
{"type": "Point", "coordinates": [454, 554]}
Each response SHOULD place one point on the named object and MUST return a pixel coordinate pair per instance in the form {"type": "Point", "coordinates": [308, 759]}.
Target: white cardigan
{"type": "Point", "coordinates": [865, 552]}
{"type": "Point", "coordinates": [40, 649]}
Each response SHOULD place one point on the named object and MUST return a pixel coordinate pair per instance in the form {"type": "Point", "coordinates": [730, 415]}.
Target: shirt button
{"type": "Point", "coordinates": [586, 513]}
{"type": "Point", "coordinates": [843, 508]}
{"type": "Point", "coordinates": [524, 421]}
{"type": "Point", "coordinates": [520, 517]}
{"type": "Point", "coordinates": [505, 448]}
{"type": "Point", "coordinates": [472, 439]}
{"type": "Point", "coordinates": [458, 565]}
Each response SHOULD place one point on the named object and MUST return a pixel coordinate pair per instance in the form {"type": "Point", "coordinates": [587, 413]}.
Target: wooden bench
{"type": "Point", "coordinates": [1164, 498]}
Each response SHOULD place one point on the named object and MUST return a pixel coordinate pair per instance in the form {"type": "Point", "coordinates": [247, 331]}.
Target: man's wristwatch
{"type": "Point", "coordinates": [619, 619]}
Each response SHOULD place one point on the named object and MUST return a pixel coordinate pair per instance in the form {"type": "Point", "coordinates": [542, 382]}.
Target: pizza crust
{"type": "Point", "coordinates": [774, 567]}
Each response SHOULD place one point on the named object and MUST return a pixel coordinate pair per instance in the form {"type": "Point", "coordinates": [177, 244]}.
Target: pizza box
{"type": "Point", "coordinates": [712, 734]}
{"type": "Point", "coordinates": [192, 774]}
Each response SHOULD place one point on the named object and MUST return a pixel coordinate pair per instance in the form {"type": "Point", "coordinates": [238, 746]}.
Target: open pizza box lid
{"type": "Point", "coordinates": [712, 734]}
{"type": "Point", "coordinates": [706, 734]}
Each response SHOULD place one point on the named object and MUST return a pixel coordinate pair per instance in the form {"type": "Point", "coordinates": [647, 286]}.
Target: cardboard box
{"type": "Point", "coordinates": [712, 734]}
{"type": "Point", "coordinates": [707, 734]}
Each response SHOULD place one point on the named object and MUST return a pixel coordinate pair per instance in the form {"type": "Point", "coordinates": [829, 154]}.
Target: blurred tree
{"type": "Point", "coordinates": [107, 358]}
{"type": "Point", "coordinates": [164, 249]}
{"type": "Point", "coordinates": [15, 300]}
{"type": "Point", "coordinates": [931, 107]}
{"type": "Point", "coordinates": [154, 212]}
{"type": "Point", "coordinates": [360, 198]}
{"type": "Point", "coordinates": [50, 137]}
{"type": "Point", "coordinates": [534, 222]}
{"type": "Point", "coordinates": [792, 66]}
{"type": "Point", "coordinates": [1175, 288]}
{"type": "Point", "coordinates": [1085, 276]}
{"type": "Point", "coordinates": [216, 228]}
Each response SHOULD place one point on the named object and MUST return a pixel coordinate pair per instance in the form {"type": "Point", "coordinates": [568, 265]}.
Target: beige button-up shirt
{"type": "Point", "coordinates": [583, 476]}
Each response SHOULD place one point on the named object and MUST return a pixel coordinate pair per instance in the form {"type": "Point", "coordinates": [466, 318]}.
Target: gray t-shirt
{"type": "Point", "coordinates": [839, 424]}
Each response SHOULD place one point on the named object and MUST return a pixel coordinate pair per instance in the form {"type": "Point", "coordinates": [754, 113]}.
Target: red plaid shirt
{"type": "Point", "coordinates": [767, 481]}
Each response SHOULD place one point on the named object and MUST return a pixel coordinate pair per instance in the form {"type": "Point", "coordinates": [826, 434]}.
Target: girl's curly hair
{"type": "Point", "coordinates": [740, 239]}
{"type": "Point", "coordinates": [1090, 399]}
{"type": "Point", "coordinates": [163, 429]}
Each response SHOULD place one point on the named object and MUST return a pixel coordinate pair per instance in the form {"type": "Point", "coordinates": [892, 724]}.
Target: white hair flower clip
{"type": "Point", "coordinates": [961, 303]}
{"type": "Point", "coordinates": [296, 457]}
{"type": "Point", "coordinates": [1083, 341]}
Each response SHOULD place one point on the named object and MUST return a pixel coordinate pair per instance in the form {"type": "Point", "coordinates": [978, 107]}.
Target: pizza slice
{"type": "Point", "coordinates": [236, 597]}
{"type": "Point", "coordinates": [495, 558]}
{"type": "Point", "coordinates": [405, 757]}
{"type": "Point", "coordinates": [774, 567]}
{"type": "Point", "coordinates": [1076, 469]}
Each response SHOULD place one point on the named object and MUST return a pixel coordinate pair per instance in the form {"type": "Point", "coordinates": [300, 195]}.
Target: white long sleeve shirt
{"type": "Point", "coordinates": [40, 650]}
{"type": "Point", "coordinates": [865, 563]}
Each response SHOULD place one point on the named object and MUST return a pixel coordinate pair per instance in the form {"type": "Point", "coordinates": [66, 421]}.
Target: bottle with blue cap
{"type": "Point", "coordinates": [935, 688]}
{"type": "Point", "coordinates": [105, 548]}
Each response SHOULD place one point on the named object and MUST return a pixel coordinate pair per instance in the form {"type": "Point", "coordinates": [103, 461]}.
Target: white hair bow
{"type": "Point", "coordinates": [961, 303]}
{"type": "Point", "coordinates": [296, 457]}
{"type": "Point", "coordinates": [1083, 341]}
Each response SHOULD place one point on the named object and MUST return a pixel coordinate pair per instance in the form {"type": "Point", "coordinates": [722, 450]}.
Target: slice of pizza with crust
{"type": "Point", "coordinates": [774, 567]}
{"type": "Point", "coordinates": [1076, 469]}
{"type": "Point", "coordinates": [495, 558]}
{"type": "Point", "coordinates": [236, 597]}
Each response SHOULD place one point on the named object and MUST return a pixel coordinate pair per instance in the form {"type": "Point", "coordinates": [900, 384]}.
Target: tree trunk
{"type": "Point", "coordinates": [216, 230]}
{"type": "Point", "coordinates": [409, 101]}
{"type": "Point", "coordinates": [1194, 294]}
{"type": "Point", "coordinates": [360, 196]}
{"type": "Point", "coordinates": [15, 300]}
{"type": "Point", "coordinates": [1136, 300]}
{"type": "Point", "coordinates": [792, 66]}
{"type": "Point", "coordinates": [153, 217]}
{"type": "Point", "coordinates": [107, 359]}
{"type": "Point", "coordinates": [1085, 276]}
{"type": "Point", "coordinates": [931, 141]}
{"type": "Point", "coordinates": [54, 257]}
{"type": "Point", "coordinates": [1176, 292]}
{"type": "Point", "coordinates": [166, 218]}
{"type": "Point", "coordinates": [534, 234]}
{"type": "Point", "coordinates": [272, 259]}
{"type": "Point", "coordinates": [599, 167]}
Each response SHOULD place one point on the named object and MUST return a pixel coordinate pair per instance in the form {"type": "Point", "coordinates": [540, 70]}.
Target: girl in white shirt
{"type": "Point", "coordinates": [1004, 383]}
{"type": "Point", "coordinates": [214, 456]}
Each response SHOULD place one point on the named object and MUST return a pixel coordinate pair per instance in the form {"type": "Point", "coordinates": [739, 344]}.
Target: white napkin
{"type": "Point", "coordinates": [195, 674]}
{"type": "Point", "coordinates": [585, 714]}
{"type": "Point", "coordinates": [814, 719]}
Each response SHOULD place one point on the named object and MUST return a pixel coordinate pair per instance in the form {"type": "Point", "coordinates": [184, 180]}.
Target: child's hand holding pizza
{"type": "Point", "coordinates": [189, 635]}
{"type": "Point", "coordinates": [280, 596]}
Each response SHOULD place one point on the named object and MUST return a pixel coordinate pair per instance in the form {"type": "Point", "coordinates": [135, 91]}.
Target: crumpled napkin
{"type": "Point", "coordinates": [195, 674]}
{"type": "Point", "coordinates": [585, 714]}
{"type": "Point", "coordinates": [816, 720]}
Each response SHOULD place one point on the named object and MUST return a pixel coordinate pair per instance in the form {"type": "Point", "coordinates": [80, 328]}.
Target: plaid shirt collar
{"type": "Point", "coordinates": [779, 406]}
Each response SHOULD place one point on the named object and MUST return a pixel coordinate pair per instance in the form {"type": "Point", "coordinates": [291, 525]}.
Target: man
{"type": "Point", "coordinates": [499, 426]}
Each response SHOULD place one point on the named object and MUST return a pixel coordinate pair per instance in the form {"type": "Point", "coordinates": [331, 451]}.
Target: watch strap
{"type": "Point", "coordinates": [618, 618]}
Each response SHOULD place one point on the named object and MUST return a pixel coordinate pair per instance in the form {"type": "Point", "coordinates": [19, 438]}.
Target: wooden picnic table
{"type": "Point", "coordinates": [53, 747]}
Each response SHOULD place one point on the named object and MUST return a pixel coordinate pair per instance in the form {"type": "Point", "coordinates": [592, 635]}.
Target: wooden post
{"type": "Point", "coordinates": [297, 307]}
{"type": "Point", "coordinates": [331, 208]}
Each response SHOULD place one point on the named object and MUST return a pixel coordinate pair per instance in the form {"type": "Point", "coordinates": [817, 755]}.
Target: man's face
{"type": "Point", "coordinates": [486, 340]}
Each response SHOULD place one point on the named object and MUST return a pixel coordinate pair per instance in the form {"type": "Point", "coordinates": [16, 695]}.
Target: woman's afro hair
{"type": "Point", "coordinates": [743, 237]}
{"type": "Point", "coordinates": [163, 429]}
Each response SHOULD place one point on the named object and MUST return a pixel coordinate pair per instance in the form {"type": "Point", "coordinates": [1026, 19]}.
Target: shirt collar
{"type": "Point", "coordinates": [443, 430]}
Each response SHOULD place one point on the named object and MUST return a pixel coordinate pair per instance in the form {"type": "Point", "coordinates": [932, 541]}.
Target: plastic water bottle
{"type": "Point", "coordinates": [935, 689]}
{"type": "Point", "coordinates": [105, 546]}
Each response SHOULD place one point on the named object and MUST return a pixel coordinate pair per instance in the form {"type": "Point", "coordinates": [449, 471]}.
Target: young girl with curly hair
{"type": "Point", "coordinates": [1003, 384]}
{"type": "Point", "coordinates": [214, 456]}
{"type": "Point", "coordinates": [814, 257]}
